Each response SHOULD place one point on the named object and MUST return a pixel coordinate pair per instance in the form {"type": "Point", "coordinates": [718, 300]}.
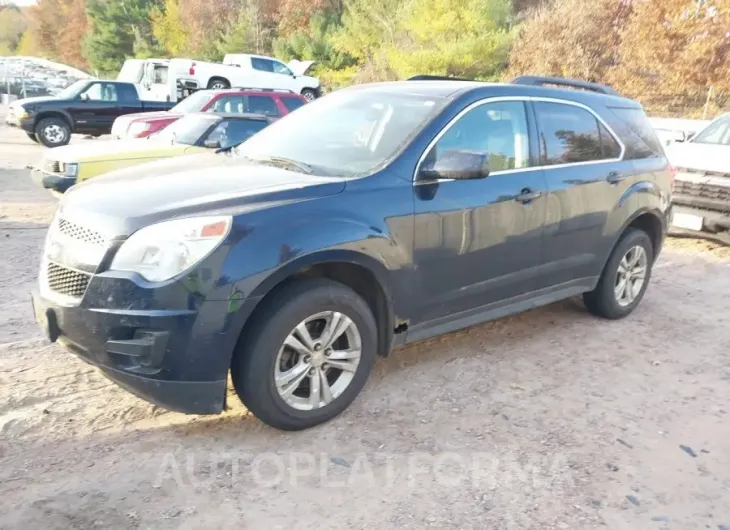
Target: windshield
{"type": "Point", "coordinates": [187, 130]}
{"type": "Point", "coordinates": [345, 133]}
{"type": "Point", "coordinates": [193, 103]}
{"type": "Point", "coordinates": [73, 90]}
{"type": "Point", "coordinates": [718, 132]}
{"type": "Point", "coordinates": [131, 72]}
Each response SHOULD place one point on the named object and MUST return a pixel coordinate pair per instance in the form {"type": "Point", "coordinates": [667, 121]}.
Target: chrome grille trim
{"type": "Point", "coordinates": [52, 166]}
{"type": "Point", "coordinates": [80, 233]}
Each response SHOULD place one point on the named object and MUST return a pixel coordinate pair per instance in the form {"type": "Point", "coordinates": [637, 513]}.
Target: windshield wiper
{"type": "Point", "coordinates": [284, 163]}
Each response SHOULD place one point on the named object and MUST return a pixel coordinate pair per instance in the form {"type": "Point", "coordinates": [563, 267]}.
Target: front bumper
{"type": "Point", "coordinates": [14, 121]}
{"type": "Point", "coordinates": [51, 181]}
{"type": "Point", "coordinates": [699, 214]}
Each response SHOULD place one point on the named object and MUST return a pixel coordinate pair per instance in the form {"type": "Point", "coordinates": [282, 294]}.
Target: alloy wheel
{"type": "Point", "coordinates": [318, 360]}
{"type": "Point", "coordinates": [54, 134]}
{"type": "Point", "coordinates": [631, 275]}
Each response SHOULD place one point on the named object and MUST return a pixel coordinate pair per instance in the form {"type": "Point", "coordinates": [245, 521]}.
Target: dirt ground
{"type": "Point", "coordinates": [552, 419]}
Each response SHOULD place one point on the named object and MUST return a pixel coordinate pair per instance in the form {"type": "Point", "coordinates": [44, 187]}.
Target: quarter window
{"type": "Point", "coordinates": [496, 130]}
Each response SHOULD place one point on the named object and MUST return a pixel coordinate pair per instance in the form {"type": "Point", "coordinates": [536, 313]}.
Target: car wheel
{"type": "Point", "coordinates": [218, 84]}
{"type": "Point", "coordinates": [309, 94]}
{"type": "Point", "coordinates": [33, 137]}
{"type": "Point", "coordinates": [53, 132]}
{"type": "Point", "coordinates": [307, 355]}
{"type": "Point", "coordinates": [625, 277]}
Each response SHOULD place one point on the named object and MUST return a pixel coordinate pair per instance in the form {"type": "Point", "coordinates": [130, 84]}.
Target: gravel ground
{"type": "Point", "coordinates": [549, 419]}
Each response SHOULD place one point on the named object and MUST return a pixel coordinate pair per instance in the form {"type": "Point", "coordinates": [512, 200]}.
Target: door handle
{"type": "Point", "coordinates": [614, 177]}
{"type": "Point", "coordinates": [527, 195]}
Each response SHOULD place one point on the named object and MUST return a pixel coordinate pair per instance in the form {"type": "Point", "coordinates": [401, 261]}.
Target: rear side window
{"type": "Point", "coordinates": [641, 139]}
{"type": "Point", "coordinates": [127, 93]}
{"type": "Point", "coordinates": [570, 134]}
{"type": "Point", "coordinates": [292, 104]}
{"type": "Point", "coordinates": [262, 105]}
{"type": "Point", "coordinates": [264, 65]}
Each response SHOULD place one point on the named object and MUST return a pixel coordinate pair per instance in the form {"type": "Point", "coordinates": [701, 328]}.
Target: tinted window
{"type": "Point", "coordinates": [717, 132]}
{"type": "Point", "coordinates": [292, 104]}
{"type": "Point", "coordinates": [496, 130]}
{"type": "Point", "coordinates": [609, 145]}
{"type": "Point", "coordinates": [264, 65]}
{"type": "Point", "coordinates": [280, 68]}
{"type": "Point", "coordinates": [568, 134]}
{"type": "Point", "coordinates": [241, 130]}
{"type": "Point", "coordinates": [640, 139]}
{"type": "Point", "coordinates": [228, 105]}
{"type": "Point", "coordinates": [262, 105]}
{"type": "Point", "coordinates": [127, 93]}
{"type": "Point", "coordinates": [187, 130]}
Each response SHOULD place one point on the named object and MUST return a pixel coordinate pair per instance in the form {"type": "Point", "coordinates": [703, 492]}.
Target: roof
{"type": "Point", "coordinates": [230, 115]}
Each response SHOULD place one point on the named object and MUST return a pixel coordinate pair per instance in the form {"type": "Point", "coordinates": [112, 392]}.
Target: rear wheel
{"type": "Point", "coordinates": [53, 132]}
{"type": "Point", "coordinates": [625, 277]}
{"type": "Point", "coordinates": [33, 137]}
{"type": "Point", "coordinates": [307, 355]}
{"type": "Point", "coordinates": [218, 83]}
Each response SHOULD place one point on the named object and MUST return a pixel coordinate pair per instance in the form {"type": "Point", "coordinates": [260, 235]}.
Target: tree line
{"type": "Point", "coordinates": [664, 52]}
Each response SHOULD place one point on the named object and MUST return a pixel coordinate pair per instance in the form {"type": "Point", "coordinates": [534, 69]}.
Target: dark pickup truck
{"type": "Point", "coordinates": [85, 107]}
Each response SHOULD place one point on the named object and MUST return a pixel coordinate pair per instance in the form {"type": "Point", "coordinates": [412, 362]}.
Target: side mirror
{"type": "Point", "coordinates": [456, 165]}
{"type": "Point", "coordinates": [679, 137]}
{"type": "Point", "coordinates": [212, 144]}
{"type": "Point", "coordinates": [84, 97]}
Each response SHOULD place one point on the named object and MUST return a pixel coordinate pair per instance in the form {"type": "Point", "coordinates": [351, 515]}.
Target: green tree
{"type": "Point", "coordinates": [168, 27]}
{"type": "Point", "coordinates": [12, 26]}
{"type": "Point", "coordinates": [116, 28]}
{"type": "Point", "coordinates": [315, 43]}
{"type": "Point", "coordinates": [251, 32]}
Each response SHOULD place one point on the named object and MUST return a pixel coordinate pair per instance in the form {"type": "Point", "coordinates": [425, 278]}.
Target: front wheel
{"type": "Point", "coordinates": [53, 132]}
{"type": "Point", "coordinates": [625, 277]}
{"type": "Point", "coordinates": [309, 94]}
{"type": "Point", "coordinates": [307, 355]}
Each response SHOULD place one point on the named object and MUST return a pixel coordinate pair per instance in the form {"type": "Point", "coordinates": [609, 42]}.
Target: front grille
{"type": "Point", "coordinates": [67, 282]}
{"type": "Point", "coordinates": [52, 166]}
{"type": "Point", "coordinates": [701, 189]}
{"type": "Point", "coordinates": [80, 233]}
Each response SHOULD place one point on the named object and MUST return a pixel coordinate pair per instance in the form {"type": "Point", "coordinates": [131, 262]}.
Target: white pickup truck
{"type": "Point", "coordinates": [163, 79]}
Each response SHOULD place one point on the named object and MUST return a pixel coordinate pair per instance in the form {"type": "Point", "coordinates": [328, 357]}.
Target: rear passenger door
{"type": "Point", "coordinates": [586, 178]}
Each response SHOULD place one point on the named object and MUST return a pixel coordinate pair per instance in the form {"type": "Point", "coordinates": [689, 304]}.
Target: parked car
{"type": "Point", "coordinates": [85, 107]}
{"type": "Point", "coordinates": [702, 188]}
{"type": "Point", "coordinates": [161, 78]}
{"type": "Point", "coordinates": [378, 216]}
{"type": "Point", "coordinates": [63, 167]}
{"type": "Point", "coordinates": [272, 103]}
{"type": "Point", "coordinates": [670, 130]}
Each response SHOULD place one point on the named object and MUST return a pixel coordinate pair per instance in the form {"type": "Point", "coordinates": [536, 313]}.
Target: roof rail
{"type": "Point", "coordinates": [436, 78]}
{"type": "Point", "coordinates": [536, 80]}
{"type": "Point", "coordinates": [262, 89]}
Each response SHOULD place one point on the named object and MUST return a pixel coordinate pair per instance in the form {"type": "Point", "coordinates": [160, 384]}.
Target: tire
{"type": "Point", "coordinates": [32, 136]}
{"type": "Point", "coordinates": [261, 354]}
{"type": "Point", "coordinates": [53, 132]}
{"type": "Point", "coordinates": [309, 94]}
{"type": "Point", "coordinates": [607, 300]}
{"type": "Point", "coordinates": [218, 83]}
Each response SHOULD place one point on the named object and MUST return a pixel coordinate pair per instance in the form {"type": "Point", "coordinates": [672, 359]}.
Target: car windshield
{"type": "Point", "coordinates": [346, 133]}
{"type": "Point", "coordinates": [193, 103]}
{"type": "Point", "coordinates": [187, 130]}
{"type": "Point", "coordinates": [73, 90]}
{"type": "Point", "coordinates": [718, 132]}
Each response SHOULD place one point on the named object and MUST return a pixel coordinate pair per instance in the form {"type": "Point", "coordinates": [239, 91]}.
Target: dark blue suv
{"type": "Point", "coordinates": [374, 217]}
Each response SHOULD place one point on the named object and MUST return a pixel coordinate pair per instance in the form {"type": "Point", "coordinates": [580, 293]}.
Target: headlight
{"type": "Point", "coordinates": [138, 128]}
{"type": "Point", "coordinates": [69, 170]}
{"type": "Point", "coordinates": [161, 251]}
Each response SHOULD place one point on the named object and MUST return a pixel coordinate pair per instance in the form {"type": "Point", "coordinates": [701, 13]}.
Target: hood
{"type": "Point", "coordinates": [299, 68]}
{"type": "Point", "coordinates": [114, 150]}
{"type": "Point", "coordinates": [126, 200]}
{"type": "Point", "coordinates": [29, 102]}
{"type": "Point", "coordinates": [700, 157]}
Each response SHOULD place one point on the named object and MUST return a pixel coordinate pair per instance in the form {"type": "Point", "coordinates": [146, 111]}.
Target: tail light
{"type": "Point", "coordinates": [191, 70]}
{"type": "Point", "coordinates": [672, 175]}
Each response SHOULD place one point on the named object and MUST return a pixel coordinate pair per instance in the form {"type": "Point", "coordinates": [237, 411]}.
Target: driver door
{"type": "Point", "coordinates": [478, 241]}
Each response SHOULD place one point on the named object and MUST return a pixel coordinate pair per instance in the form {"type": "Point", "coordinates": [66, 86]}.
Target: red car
{"type": "Point", "coordinates": [270, 102]}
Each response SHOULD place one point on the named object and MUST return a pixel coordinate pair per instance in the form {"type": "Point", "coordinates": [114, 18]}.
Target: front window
{"type": "Point", "coordinates": [718, 133]}
{"type": "Point", "coordinates": [193, 103]}
{"type": "Point", "coordinates": [187, 130]}
{"type": "Point", "coordinates": [347, 133]}
{"type": "Point", "coordinates": [280, 68]}
{"type": "Point", "coordinates": [73, 90]}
